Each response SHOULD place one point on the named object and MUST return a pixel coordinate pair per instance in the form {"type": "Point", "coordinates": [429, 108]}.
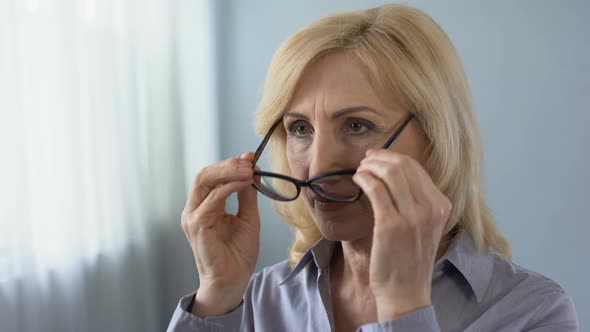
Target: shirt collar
{"type": "Point", "coordinates": [475, 266]}
{"type": "Point", "coordinates": [320, 253]}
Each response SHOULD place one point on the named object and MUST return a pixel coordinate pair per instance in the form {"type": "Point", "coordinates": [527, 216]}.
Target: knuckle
{"type": "Point", "coordinates": [196, 221]}
{"type": "Point", "coordinates": [390, 171]}
{"type": "Point", "coordinates": [214, 193]}
{"type": "Point", "coordinates": [200, 177]}
{"type": "Point", "coordinates": [373, 187]}
{"type": "Point", "coordinates": [440, 211]}
{"type": "Point", "coordinates": [189, 222]}
{"type": "Point", "coordinates": [399, 159]}
{"type": "Point", "coordinates": [218, 193]}
{"type": "Point", "coordinates": [432, 212]}
{"type": "Point", "coordinates": [376, 153]}
{"type": "Point", "coordinates": [183, 224]}
{"type": "Point", "coordinates": [232, 164]}
{"type": "Point", "coordinates": [202, 220]}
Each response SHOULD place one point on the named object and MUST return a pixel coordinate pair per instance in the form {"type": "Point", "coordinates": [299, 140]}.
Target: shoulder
{"type": "Point", "coordinates": [529, 293]}
{"type": "Point", "coordinates": [267, 282]}
{"type": "Point", "coordinates": [507, 274]}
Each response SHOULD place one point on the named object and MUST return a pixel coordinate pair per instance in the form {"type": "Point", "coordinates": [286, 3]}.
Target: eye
{"type": "Point", "coordinates": [300, 129]}
{"type": "Point", "coordinates": [358, 127]}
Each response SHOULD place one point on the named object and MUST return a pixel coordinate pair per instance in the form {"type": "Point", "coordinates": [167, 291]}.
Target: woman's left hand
{"type": "Point", "coordinates": [410, 214]}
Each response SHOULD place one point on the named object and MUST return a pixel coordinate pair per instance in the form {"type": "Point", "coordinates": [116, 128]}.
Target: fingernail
{"type": "Point", "coordinates": [246, 154]}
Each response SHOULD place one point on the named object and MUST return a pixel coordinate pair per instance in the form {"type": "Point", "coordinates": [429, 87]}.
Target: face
{"type": "Point", "coordinates": [334, 117]}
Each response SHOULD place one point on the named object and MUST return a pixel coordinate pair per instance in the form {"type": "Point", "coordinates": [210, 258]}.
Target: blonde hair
{"type": "Point", "coordinates": [409, 57]}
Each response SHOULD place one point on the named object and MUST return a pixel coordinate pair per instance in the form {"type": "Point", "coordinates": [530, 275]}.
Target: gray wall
{"type": "Point", "coordinates": [528, 65]}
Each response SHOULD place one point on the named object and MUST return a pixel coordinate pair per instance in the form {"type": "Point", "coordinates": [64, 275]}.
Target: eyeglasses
{"type": "Point", "coordinates": [332, 186]}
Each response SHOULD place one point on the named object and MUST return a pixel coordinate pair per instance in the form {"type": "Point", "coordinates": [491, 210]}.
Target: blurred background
{"type": "Point", "coordinates": [109, 108]}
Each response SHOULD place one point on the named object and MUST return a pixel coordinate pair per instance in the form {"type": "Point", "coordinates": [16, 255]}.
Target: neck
{"type": "Point", "coordinates": [351, 260]}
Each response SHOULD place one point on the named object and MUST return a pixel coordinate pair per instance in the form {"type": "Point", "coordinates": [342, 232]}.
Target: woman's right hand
{"type": "Point", "coordinates": [225, 246]}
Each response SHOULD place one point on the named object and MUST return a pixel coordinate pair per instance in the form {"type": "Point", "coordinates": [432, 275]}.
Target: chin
{"type": "Point", "coordinates": [348, 222]}
{"type": "Point", "coordinates": [345, 228]}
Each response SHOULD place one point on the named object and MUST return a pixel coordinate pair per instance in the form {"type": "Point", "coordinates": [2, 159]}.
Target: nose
{"type": "Point", "coordinates": [327, 154]}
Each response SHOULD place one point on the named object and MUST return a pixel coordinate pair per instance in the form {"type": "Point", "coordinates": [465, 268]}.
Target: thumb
{"type": "Point", "coordinates": [248, 204]}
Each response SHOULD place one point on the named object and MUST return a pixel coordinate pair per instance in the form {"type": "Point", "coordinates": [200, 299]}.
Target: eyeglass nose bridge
{"type": "Point", "coordinates": [310, 183]}
{"type": "Point", "coordinates": [301, 184]}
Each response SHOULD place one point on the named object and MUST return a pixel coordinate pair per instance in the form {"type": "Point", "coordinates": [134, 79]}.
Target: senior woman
{"type": "Point", "coordinates": [376, 159]}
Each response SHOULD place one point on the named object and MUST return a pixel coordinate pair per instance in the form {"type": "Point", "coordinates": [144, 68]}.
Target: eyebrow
{"type": "Point", "coordinates": [340, 113]}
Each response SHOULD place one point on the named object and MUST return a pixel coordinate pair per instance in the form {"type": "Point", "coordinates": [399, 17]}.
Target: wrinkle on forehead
{"type": "Point", "coordinates": [335, 82]}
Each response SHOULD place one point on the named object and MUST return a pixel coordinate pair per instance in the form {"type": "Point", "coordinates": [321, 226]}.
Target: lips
{"type": "Point", "coordinates": [325, 205]}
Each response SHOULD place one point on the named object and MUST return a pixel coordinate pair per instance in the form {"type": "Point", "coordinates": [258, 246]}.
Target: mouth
{"type": "Point", "coordinates": [322, 204]}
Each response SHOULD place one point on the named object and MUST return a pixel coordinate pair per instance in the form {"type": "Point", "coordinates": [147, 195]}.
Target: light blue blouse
{"type": "Point", "coordinates": [471, 291]}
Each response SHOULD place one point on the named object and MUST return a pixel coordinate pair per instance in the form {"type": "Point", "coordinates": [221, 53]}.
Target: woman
{"type": "Point", "coordinates": [372, 109]}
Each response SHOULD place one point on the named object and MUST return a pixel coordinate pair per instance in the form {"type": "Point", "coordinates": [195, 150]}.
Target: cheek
{"type": "Point", "coordinates": [297, 159]}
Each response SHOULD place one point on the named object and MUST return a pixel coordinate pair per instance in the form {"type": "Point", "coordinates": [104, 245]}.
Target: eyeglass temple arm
{"type": "Point", "coordinates": [398, 132]}
{"type": "Point", "coordinates": [264, 141]}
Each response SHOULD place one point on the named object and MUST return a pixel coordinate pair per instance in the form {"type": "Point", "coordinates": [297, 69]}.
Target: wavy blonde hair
{"type": "Point", "coordinates": [410, 58]}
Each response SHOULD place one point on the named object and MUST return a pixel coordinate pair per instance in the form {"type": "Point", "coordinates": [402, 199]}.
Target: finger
{"type": "Point", "coordinates": [215, 202]}
{"type": "Point", "coordinates": [232, 169]}
{"type": "Point", "coordinates": [419, 182]}
{"type": "Point", "coordinates": [429, 199]}
{"type": "Point", "coordinates": [380, 198]}
{"type": "Point", "coordinates": [248, 204]}
{"type": "Point", "coordinates": [431, 202]}
{"type": "Point", "coordinates": [391, 173]}
{"type": "Point", "coordinates": [247, 156]}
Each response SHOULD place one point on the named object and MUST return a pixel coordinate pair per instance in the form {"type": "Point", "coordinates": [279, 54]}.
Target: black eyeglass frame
{"type": "Point", "coordinates": [309, 183]}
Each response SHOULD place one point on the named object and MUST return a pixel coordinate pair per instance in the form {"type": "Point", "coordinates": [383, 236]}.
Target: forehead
{"type": "Point", "coordinates": [333, 82]}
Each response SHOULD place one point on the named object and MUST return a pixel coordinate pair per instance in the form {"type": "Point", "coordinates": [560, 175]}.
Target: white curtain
{"type": "Point", "coordinates": [94, 158]}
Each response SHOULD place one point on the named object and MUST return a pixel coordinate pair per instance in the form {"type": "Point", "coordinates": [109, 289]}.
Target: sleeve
{"type": "Point", "coordinates": [556, 313]}
{"type": "Point", "coordinates": [422, 320]}
{"type": "Point", "coordinates": [184, 321]}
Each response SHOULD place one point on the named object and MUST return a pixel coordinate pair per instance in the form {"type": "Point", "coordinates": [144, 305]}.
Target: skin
{"type": "Point", "coordinates": [390, 238]}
